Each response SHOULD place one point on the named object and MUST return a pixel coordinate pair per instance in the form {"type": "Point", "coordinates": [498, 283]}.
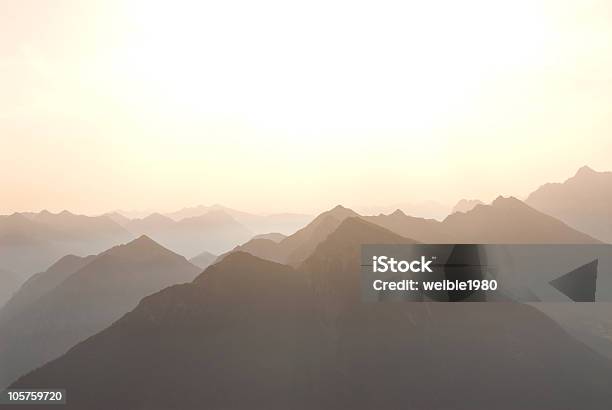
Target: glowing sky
{"type": "Point", "coordinates": [297, 106]}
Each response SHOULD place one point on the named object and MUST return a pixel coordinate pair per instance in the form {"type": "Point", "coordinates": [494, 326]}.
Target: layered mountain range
{"type": "Point", "coordinates": [280, 319]}
{"type": "Point", "coordinates": [285, 223]}
{"type": "Point", "coordinates": [285, 337]}
{"type": "Point", "coordinates": [77, 297]}
{"type": "Point", "coordinates": [506, 220]}
{"type": "Point", "coordinates": [30, 242]}
{"type": "Point", "coordinates": [215, 231]}
{"type": "Point", "coordinates": [583, 201]}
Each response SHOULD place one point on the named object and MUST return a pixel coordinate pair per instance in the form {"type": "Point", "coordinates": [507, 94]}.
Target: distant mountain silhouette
{"type": "Point", "coordinates": [203, 260]}
{"type": "Point", "coordinates": [293, 249]}
{"type": "Point", "coordinates": [262, 248]}
{"type": "Point", "coordinates": [506, 220]}
{"type": "Point", "coordinates": [20, 230]}
{"type": "Point", "coordinates": [86, 302]}
{"type": "Point", "coordinates": [250, 333]}
{"type": "Point", "coordinates": [78, 226]}
{"type": "Point", "coordinates": [273, 236]}
{"type": "Point", "coordinates": [150, 224]}
{"type": "Point", "coordinates": [510, 221]}
{"type": "Point", "coordinates": [30, 242]}
{"type": "Point", "coordinates": [215, 231]}
{"type": "Point", "coordinates": [118, 218]}
{"type": "Point", "coordinates": [465, 205]}
{"type": "Point", "coordinates": [424, 209]}
{"type": "Point", "coordinates": [423, 230]}
{"type": "Point", "coordinates": [41, 283]}
{"type": "Point", "coordinates": [285, 223]}
{"type": "Point", "coordinates": [9, 282]}
{"type": "Point", "coordinates": [584, 202]}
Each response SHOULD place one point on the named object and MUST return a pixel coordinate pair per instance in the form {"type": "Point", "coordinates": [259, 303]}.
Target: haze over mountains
{"type": "Point", "coordinates": [422, 209]}
{"type": "Point", "coordinates": [506, 220]}
{"type": "Point", "coordinates": [301, 338]}
{"type": "Point", "coordinates": [203, 260]}
{"type": "Point", "coordinates": [293, 249]}
{"type": "Point", "coordinates": [78, 297]}
{"type": "Point", "coordinates": [465, 205]}
{"type": "Point", "coordinates": [281, 314]}
{"type": "Point", "coordinates": [285, 223]}
{"type": "Point", "coordinates": [30, 242]}
{"type": "Point", "coordinates": [9, 281]}
{"type": "Point", "coordinates": [215, 231]}
{"type": "Point", "coordinates": [39, 284]}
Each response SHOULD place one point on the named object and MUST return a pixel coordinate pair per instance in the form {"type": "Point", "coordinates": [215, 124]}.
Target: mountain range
{"type": "Point", "coordinates": [295, 248]}
{"type": "Point", "coordinates": [281, 314]}
{"type": "Point", "coordinates": [300, 338]}
{"type": "Point", "coordinates": [583, 201]}
{"type": "Point", "coordinates": [506, 220]}
{"type": "Point", "coordinates": [30, 242]}
{"type": "Point", "coordinates": [423, 209]}
{"type": "Point", "coordinates": [78, 297]}
{"type": "Point", "coordinates": [214, 231]}
{"type": "Point", "coordinates": [285, 223]}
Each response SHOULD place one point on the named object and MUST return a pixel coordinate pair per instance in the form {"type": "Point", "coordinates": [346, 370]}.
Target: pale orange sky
{"type": "Point", "coordinates": [297, 106]}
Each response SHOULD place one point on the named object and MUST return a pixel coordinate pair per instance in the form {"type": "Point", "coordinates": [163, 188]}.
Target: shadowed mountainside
{"type": "Point", "coordinates": [85, 302]}
{"type": "Point", "coordinates": [506, 220]}
{"type": "Point", "coordinates": [423, 230]}
{"type": "Point", "coordinates": [293, 249]}
{"type": "Point", "coordinates": [41, 283]}
{"type": "Point", "coordinates": [584, 201]}
{"type": "Point", "coordinates": [9, 282]}
{"type": "Point", "coordinates": [302, 339]}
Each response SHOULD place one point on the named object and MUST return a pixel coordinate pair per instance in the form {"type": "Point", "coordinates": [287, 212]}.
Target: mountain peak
{"type": "Point", "coordinates": [141, 244]}
{"type": "Point", "coordinates": [357, 227]}
{"type": "Point", "coordinates": [240, 261]}
{"type": "Point", "coordinates": [340, 211]}
{"type": "Point", "coordinates": [398, 212]}
{"type": "Point", "coordinates": [507, 201]}
{"type": "Point", "coordinates": [143, 240]}
{"type": "Point", "coordinates": [585, 171]}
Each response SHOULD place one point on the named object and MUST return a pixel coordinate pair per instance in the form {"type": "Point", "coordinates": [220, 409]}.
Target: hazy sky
{"type": "Point", "coordinates": [297, 106]}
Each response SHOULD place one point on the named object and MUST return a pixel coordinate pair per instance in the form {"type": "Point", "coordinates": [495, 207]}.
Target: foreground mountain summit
{"type": "Point", "coordinates": [250, 333]}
